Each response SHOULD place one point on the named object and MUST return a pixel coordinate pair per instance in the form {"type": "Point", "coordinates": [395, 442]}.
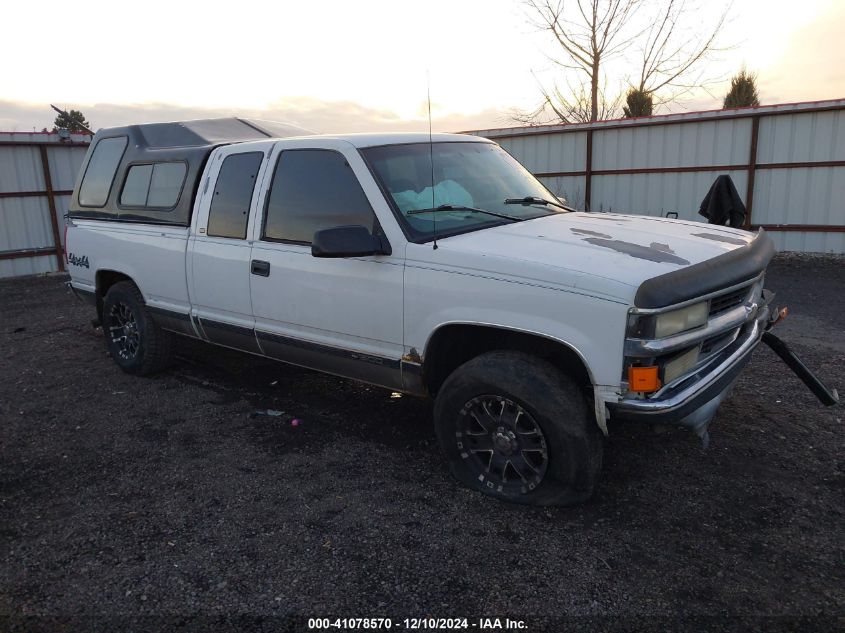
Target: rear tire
{"type": "Point", "coordinates": [135, 341]}
{"type": "Point", "coordinates": [516, 428]}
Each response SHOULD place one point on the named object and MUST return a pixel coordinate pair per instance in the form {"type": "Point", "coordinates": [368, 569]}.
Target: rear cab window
{"type": "Point", "coordinates": [99, 175]}
{"type": "Point", "coordinates": [228, 214]}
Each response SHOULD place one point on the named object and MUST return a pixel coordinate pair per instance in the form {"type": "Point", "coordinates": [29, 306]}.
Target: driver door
{"type": "Point", "coordinates": [342, 316]}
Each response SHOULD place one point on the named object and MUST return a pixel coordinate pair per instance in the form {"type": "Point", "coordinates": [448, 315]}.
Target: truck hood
{"type": "Point", "coordinates": [606, 253]}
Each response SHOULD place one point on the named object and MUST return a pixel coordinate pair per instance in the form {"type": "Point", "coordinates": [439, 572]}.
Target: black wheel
{"type": "Point", "coordinates": [134, 340]}
{"type": "Point", "coordinates": [514, 427]}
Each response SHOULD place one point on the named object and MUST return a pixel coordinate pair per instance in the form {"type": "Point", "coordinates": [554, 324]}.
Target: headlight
{"type": "Point", "coordinates": [676, 321]}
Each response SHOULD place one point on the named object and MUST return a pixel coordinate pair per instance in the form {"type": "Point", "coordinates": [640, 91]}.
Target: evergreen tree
{"type": "Point", "coordinates": [72, 121]}
{"type": "Point", "coordinates": [639, 103]}
{"type": "Point", "coordinates": [743, 92]}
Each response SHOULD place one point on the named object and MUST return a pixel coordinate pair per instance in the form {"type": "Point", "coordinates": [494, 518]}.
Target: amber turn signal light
{"type": "Point", "coordinates": [643, 379]}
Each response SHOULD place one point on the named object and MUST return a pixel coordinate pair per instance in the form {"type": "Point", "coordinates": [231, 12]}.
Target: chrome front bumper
{"type": "Point", "coordinates": [693, 401]}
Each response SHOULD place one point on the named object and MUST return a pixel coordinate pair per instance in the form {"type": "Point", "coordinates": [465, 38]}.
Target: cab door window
{"type": "Point", "coordinates": [232, 197]}
{"type": "Point", "coordinates": [313, 189]}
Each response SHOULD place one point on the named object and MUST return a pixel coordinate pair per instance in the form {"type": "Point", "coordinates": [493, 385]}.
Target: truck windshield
{"type": "Point", "coordinates": [467, 176]}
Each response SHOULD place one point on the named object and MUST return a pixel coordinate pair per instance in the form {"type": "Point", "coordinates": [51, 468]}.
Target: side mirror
{"type": "Point", "coordinates": [348, 241]}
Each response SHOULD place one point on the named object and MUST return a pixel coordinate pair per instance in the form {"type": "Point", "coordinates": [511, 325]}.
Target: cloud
{"type": "Point", "coordinates": [329, 117]}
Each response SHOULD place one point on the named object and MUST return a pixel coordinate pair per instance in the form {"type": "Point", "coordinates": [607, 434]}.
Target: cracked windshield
{"type": "Point", "coordinates": [476, 185]}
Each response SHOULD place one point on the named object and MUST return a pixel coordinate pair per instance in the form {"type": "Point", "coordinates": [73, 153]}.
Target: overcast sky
{"type": "Point", "coordinates": [336, 66]}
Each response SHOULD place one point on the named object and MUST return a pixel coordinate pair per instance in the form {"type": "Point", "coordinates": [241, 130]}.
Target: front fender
{"type": "Point", "coordinates": [592, 327]}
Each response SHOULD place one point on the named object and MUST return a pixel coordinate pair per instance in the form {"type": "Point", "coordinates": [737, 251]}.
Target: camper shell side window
{"type": "Point", "coordinates": [156, 185]}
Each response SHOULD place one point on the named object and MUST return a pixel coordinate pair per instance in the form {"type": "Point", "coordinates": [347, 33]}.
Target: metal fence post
{"type": "Point", "coordinates": [51, 202]}
{"type": "Point", "coordinates": [588, 170]}
{"type": "Point", "coordinates": [752, 169]}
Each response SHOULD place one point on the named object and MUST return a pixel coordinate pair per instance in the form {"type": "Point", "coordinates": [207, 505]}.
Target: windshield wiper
{"type": "Point", "coordinates": [536, 200]}
{"type": "Point", "coordinates": [454, 207]}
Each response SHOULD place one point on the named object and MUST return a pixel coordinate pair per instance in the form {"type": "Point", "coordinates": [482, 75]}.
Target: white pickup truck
{"type": "Point", "coordinates": [435, 266]}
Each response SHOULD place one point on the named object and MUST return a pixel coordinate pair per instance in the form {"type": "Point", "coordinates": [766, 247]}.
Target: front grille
{"type": "Point", "coordinates": [718, 342]}
{"type": "Point", "coordinates": [728, 301]}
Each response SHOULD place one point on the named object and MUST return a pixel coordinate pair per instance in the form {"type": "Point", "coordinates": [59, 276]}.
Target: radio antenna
{"type": "Point", "coordinates": [431, 158]}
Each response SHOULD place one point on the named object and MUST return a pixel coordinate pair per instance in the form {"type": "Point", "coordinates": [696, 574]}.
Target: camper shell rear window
{"type": "Point", "coordinates": [99, 176]}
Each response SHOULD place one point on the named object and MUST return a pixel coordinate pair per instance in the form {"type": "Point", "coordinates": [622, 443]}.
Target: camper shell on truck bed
{"type": "Point", "coordinates": [150, 173]}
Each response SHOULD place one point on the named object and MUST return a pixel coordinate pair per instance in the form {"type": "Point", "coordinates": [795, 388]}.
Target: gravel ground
{"type": "Point", "coordinates": [168, 502]}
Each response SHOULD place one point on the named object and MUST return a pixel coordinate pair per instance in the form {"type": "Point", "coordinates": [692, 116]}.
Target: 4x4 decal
{"type": "Point", "coordinates": [82, 262]}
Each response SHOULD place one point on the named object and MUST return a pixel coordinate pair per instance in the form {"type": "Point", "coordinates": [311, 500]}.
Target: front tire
{"type": "Point", "coordinates": [135, 341]}
{"type": "Point", "coordinates": [516, 428]}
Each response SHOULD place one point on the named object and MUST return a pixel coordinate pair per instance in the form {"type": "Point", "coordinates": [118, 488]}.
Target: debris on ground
{"type": "Point", "coordinates": [273, 413]}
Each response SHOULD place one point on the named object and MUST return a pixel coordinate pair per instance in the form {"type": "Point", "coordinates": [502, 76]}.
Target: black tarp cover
{"type": "Point", "coordinates": [722, 204]}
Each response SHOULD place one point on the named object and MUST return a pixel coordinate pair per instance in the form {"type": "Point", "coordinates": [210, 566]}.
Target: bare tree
{"type": "Point", "coordinates": [672, 50]}
{"type": "Point", "coordinates": [587, 38]}
{"type": "Point", "coordinates": [574, 105]}
{"type": "Point", "coordinates": [591, 33]}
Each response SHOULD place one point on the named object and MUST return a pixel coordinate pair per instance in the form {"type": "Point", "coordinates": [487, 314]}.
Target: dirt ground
{"type": "Point", "coordinates": [169, 502]}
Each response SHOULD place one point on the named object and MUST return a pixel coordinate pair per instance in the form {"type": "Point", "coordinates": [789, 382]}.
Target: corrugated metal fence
{"type": "Point", "coordinates": [787, 161]}
{"type": "Point", "coordinates": [37, 174]}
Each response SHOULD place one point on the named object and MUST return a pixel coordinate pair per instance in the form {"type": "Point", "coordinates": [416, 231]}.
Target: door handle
{"type": "Point", "coordinates": [259, 267]}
